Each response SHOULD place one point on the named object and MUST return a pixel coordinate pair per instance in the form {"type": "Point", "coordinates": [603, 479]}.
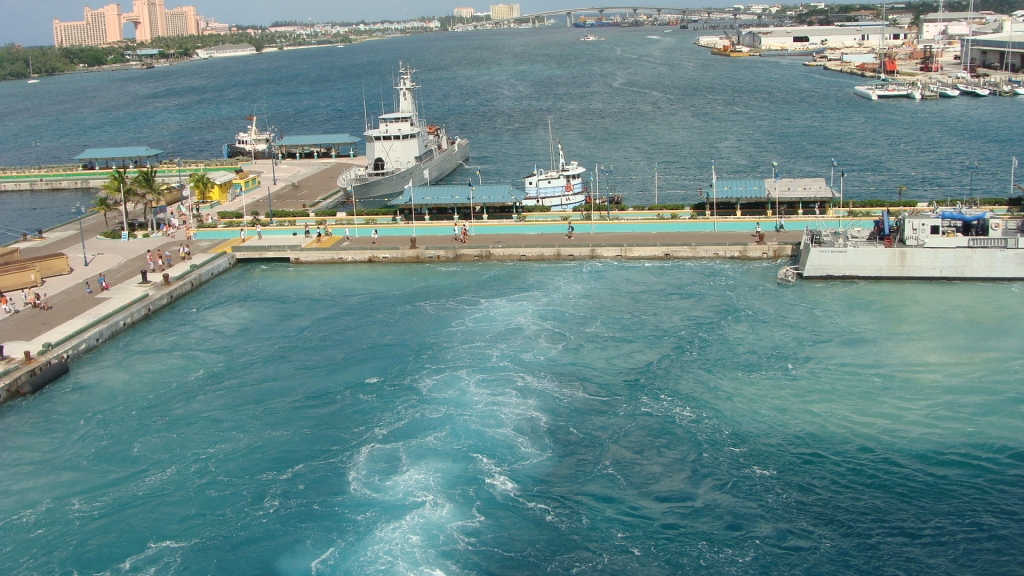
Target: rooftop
{"type": "Point", "coordinates": [488, 194]}
{"type": "Point", "coordinates": [122, 153]}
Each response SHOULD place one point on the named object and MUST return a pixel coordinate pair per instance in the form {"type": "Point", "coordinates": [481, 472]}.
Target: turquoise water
{"type": "Point", "coordinates": [581, 227]}
{"type": "Point", "coordinates": [594, 417]}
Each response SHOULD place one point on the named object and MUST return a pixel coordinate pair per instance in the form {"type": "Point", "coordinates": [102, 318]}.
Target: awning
{"type": "Point", "coordinates": [459, 195]}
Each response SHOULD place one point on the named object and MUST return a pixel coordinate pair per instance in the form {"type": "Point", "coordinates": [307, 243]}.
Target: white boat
{"type": "Point", "coordinates": [970, 90]}
{"type": "Point", "coordinates": [562, 189]}
{"type": "Point", "coordinates": [589, 38]}
{"type": "Point", "coordinates": [1018, 90]}
{"type": "Point", "coordinates": [253, 143]}
{"type": "Point", "coordinates": [948, 244]}
{"type": "Point", "coordinates": [877, 90]}
{"type": "Point", "coordinates": [401, 150]}
{"type": "Point", "coordinates": [33, 81]}
{"type": "Point", "coordinates": [945, 91]}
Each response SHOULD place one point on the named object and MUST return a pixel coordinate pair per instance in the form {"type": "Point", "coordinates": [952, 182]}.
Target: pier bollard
{"type": "Point", "coordinates": [412, 243]}
{"type": "Point", "coordinates": [167, 279]}
{"type": "Point", "coordinates": [1, 351]}
{"type": "Point", "coordinates": [145, 277]}
{"type": "Point", "coordinates": [28, 356]}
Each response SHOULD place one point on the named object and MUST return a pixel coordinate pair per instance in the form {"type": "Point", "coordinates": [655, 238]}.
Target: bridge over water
{"type": "Point", "coordinates": [636, 10]}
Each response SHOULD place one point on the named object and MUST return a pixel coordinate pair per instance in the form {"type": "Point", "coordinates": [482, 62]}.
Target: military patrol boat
{"type": "Point", "coordinates": [402, 149]}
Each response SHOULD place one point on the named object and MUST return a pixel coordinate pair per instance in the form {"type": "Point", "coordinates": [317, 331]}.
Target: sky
{"type": "Point", "coordinates": [30, 22]}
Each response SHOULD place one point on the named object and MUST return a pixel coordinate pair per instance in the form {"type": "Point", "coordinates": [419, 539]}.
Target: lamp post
{"type": "Point", "coordinates": [970, 185]}
{"type": "Point", "coordinates": [714, 195]}
{"type": "Point", "coordinates": [39, 163]}
{"type": "Point", "coordinates": [273, 162]}
{"type": "Point", "coordinates": [270, 207]}
{"type": "Point", "coordinates": [775, 178]}
{"type": "Point", "coordinates": [79, 209]}
{"type": "Point", "coordinates": [832, 178]}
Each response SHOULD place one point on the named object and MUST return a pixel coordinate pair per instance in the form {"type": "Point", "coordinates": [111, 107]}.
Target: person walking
{"type": "Point", "coordinates": [374, 235]}
{"type": "Point", "coordinates": [259, 232]}
{"type": "Point", "coordinates": [167, 258]}
{"type": "Point", "coordinates": [306, 230]}
{"type": "Point", "coordinates": [46, 302]}
{"type": "Point", "coordinates": [571, 232]}
{"type": "Point", "coordinates": [160, 260]}
{"type": "Point", "coordinates": [347, 237]}
{"type": "Point", "coordinates": [149, 258]}
{"type": "Point", "coordinates": [188, 252]}
{"type": "Point", "coordinates": [88, 289]}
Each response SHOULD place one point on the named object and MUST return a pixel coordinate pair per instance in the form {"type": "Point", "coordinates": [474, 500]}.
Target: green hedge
{"type": "Point", "coordinates": [325, 213]}
{"type": "Point", "coordinates": [229, 214]}
{"type": "Point", "coordinates": [667, 207]}
{"type": "Point", "coordinates": [289, 213]}
{"type": "Point", "coordinates": [535, 208]}
{"type": "Point", "coordinates": [114, 234]}
{"type": "Point", "coordinates": [883, 204]}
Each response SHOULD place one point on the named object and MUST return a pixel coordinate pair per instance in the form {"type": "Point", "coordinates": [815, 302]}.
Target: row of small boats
{"type": "Point", "coordinates": [915, 90]}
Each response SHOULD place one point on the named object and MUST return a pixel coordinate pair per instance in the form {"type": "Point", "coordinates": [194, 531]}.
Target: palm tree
{"type": "Point", "coordinates": [103, 203]}
{"type": "Point", "coordinates": [899, 192]}
{"type": "Point", "coordinates": [118, 186]}
{"type": "Point", "coordinates": [202, 184]}
{"type": "Point", "coordinates": [149, 190]}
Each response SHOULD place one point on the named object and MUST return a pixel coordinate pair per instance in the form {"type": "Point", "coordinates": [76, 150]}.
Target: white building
{"type": "Point", "coordinates": [805, 37]}
{"type": "Point", "coordinates": [225, 50]}
{"type": "Point", "coordinates": [504, 11]}
{"type": "Point", "coordinates": [999, 51]}
{"type": "Point", "coordinates": [952, 24]}
{"type": "Point", "coordinates": [464, 12]}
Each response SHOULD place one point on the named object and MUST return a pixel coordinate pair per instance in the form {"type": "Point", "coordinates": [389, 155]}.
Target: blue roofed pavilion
{"type": "Point", "coordinates": [447, 196]}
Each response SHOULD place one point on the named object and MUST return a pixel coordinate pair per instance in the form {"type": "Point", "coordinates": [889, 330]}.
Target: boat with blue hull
{"type": "Point", "coordinates": [561, 188]}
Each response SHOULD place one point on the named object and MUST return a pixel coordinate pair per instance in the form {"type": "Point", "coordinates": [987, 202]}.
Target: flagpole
{"type": "Point", "coordinates": [714, 192]}
{"type": "Point", "coordinates": [355, 217]}
{"type": "Point", "coordinates": [412, 196]}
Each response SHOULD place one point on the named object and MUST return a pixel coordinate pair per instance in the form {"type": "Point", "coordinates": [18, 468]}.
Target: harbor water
{"type": "Point", "coordinates": [641, 98]}
{"type": "Point", "coordinates": [595, 417]}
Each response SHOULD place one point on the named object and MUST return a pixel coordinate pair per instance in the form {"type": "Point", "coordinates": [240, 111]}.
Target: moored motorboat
{"type": "Point", "coordinates": [560, 188]}
{"type": "Point", "coordinates": [945, 91]}
{"type": "Point", "coordinates": [971, 90]}
{"type": "Point", "coordinates": [253, 143]}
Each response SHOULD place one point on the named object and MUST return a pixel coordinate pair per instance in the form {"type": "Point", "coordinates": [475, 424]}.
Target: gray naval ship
{"type": "Point", "coordinates": [946, 244]}
{"type": "Point", "coordinates": [402, 149]}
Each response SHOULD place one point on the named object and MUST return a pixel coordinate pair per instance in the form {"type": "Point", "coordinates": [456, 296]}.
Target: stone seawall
{"type": "Point", "coordinates": [103, 329]}
{"type": "Point", "coordinates": [427, 254]}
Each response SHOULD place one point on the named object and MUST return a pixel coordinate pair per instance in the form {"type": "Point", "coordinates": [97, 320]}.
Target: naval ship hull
{"type": "Point", "coordinates": [392, 186]}
{"type": "Point", "coordinates": [909, 263]}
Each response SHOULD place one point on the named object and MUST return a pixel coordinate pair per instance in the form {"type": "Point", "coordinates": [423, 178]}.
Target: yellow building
{"type": "Point", "coordinates": [504, 11]}
{"type": "Point", "coordinates": [229, 185]}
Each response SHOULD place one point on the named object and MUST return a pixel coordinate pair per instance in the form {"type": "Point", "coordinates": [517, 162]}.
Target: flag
{"type": "Point", "coordinates": [409, 185]}
{"type": "Point", "coordinates": [834, 163]}
{"type": "Point", "coordinates": [1014, 161]}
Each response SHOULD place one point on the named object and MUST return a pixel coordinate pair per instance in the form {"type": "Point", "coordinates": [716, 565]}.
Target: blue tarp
{"type": "Point", "coordinates": [961, 217]}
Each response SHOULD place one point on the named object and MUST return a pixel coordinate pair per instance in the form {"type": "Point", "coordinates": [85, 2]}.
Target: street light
{"type": "Point", "coordinates": [79, 209]}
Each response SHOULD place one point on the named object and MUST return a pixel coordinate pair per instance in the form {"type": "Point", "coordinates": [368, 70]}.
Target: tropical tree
{"type": "Point", "coordinates": [202, 185]}
{"type": "Point", "coordinates": [104, 203]}
{"type": "Point", "coordinates": [119, 187]}
{"type": "Point", "coordinates": [899, 192]}
{"type": "Point", "coordinates": [148, 190]}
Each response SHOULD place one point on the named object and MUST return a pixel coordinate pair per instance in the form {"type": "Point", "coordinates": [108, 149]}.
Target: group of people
{"type": "Point", "coordinates": [34, 300]}
{"type": "Point", "coordinates": [326, 231]}
{"type": "Point", "coordinates": [460, 234]}
{"type": "Point", "coordinates": [162, 260]}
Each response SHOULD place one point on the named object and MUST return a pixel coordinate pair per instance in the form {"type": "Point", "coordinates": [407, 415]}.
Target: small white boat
{"type": "Point", "coordinates": [946, 91]}
{"type": "Point", "coordinates": [1018, 90]}
{"type": "Point", "coordinates": [878, 90]}
{"type": "Point", "coordinates": [589, 38]}
{"type": "Point", "coordinates": [33, 81]}
{"type": "Point", "coordinates": [973, 90]}
{"type": "Point", "coordinates": [561, 188]}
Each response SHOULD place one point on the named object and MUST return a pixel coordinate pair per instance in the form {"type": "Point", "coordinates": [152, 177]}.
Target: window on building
{"type": "Point", "coordinates": [801, 39]}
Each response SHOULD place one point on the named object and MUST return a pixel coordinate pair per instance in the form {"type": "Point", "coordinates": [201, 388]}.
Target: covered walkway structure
{"type": "Point", "coordinates": [458, 201]}
{"type": "Point", "coordinates": [128, 155]}
{"type": "Point", "coordinates": [316, 146]}
{"type": "Point", "coordinates": [767, 196]}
